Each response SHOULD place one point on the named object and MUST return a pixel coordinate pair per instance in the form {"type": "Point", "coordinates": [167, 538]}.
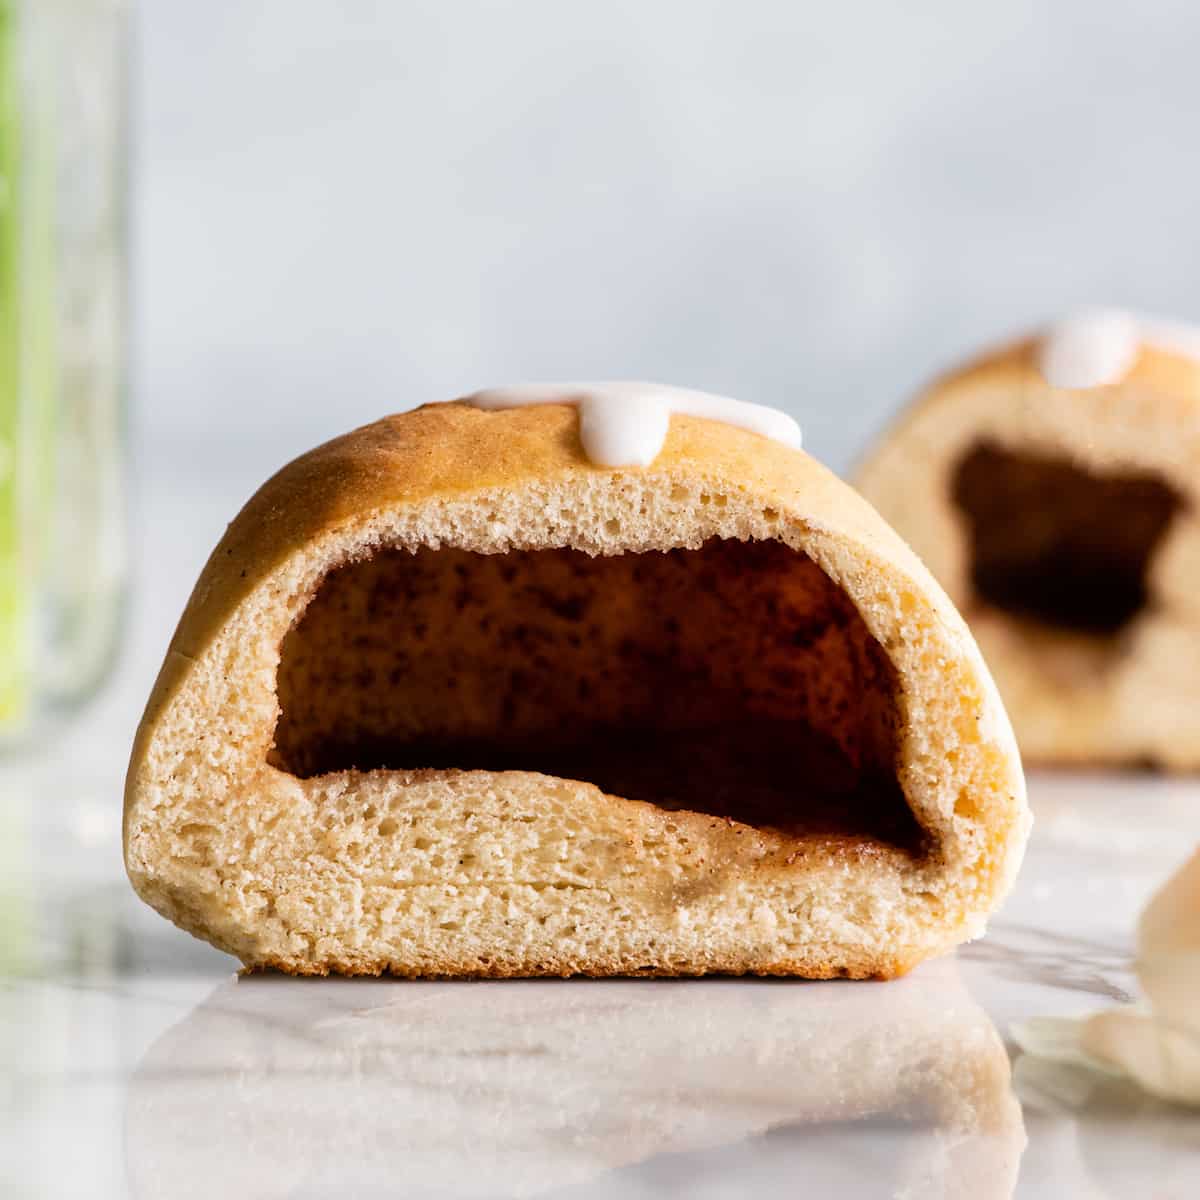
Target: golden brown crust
{"type": "Point", "coordinates": [878, 970]}
{"type": "Point", "coordinates": [342, 499]}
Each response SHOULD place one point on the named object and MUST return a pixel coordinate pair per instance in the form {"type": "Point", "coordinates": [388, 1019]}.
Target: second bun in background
{"type": "Point", "coordinates": [1050, 487]}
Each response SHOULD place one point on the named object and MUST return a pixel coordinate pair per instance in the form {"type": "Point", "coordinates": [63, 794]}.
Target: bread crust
{"type": "Point", "coordinates": [448, 474]}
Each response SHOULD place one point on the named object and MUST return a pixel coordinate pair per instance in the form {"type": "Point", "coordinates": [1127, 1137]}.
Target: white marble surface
{"type": "Point", "coordinates": [133, 1063]}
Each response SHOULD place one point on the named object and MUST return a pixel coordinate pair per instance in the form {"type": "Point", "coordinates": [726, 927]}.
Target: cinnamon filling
{"type": "Point", "coordinates": [735, 680]}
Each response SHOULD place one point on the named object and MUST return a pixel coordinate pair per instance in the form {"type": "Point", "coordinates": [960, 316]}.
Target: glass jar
{"type": "Point", "coordinates": [62, 352]}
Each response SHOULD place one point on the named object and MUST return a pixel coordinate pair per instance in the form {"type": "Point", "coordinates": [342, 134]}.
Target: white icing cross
{"type": "Point", "coordinates": [625, 424]}
{"type": "Point", "coordinates": [1098, 347]}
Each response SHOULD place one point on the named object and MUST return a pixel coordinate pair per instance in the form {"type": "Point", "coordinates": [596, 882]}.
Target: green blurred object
{"type": "Point", "coordinates": [62, 352]}
{"type": "Point", "coordinates": [15, 641]}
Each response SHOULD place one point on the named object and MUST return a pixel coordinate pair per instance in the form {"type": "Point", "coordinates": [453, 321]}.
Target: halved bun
{"type": "Point", "coordinates": [376, 741]}
{"type": "Point", "coordinates": [1064, 524]}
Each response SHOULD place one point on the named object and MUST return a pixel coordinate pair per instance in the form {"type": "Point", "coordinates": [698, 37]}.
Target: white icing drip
{"type": "Point", "coordinates": [625, 424]}
{"type": "Point", "coordinates": [1089, 350]}
{"type": "Point", "coordinates": [1099, 347]}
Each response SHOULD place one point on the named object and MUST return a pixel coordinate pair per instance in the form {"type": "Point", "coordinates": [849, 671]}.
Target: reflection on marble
{"type": "Point", "coordinates": [474, 1089]}
{"type": "Point", "coordinates": [1103, 1136]}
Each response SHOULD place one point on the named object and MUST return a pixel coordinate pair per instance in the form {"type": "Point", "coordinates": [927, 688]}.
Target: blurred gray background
{"type": "Point", "coordinates": [342, 208]}
{"type": "Point", "coordinates": [346, 207]}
